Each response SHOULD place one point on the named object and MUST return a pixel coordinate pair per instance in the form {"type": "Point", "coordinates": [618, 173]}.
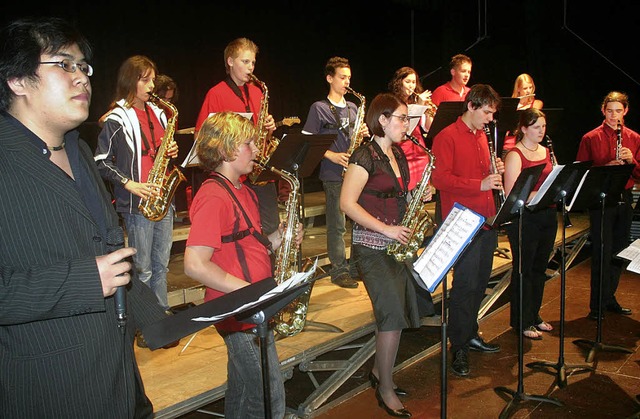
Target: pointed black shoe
{"type": "Point", "coordinates": [616, 308]}
{"type": "Point", "coordinates": [460, 363]}
{"type": "Point", "coordinates": [479, 345]}
{"type": "Point", "coordinates": [398, 413]}
{"type": "Point", "coordinates": [374, 383]}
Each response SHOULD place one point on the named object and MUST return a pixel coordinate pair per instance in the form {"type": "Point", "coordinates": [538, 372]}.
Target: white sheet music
{"type": "Point", "coordinates": [192, 157]}
{"type": "Point", "coordinates": [296, 279]}
{"type": "Point", "coordinates": [545, 185]}
{"type": "Point", "coordinates": [446, 246]}
{"type": "Point", "coordinates": [415, 112]}
{"type": "Point", "coordinates": [632, 253]}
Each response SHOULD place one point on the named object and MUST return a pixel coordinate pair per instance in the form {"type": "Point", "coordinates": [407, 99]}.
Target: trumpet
{"type": "Point", "coordinates": [498, 194]}
{"type": "Point", "coordinates": [618, 140]}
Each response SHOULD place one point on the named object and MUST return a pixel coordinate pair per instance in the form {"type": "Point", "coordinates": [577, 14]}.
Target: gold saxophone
{"type": "Point", "coordinates": [265, 142]}
{"type": "Point", "coordinates": [416, 217]}
{"type": "Point", "coordinates": [156, 207]}
{"type": "Point", "coordinates": [356, 135]}
{"type": "Point", "coordinates": [291, 319]}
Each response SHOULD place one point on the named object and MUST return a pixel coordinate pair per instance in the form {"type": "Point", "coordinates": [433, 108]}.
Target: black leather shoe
{"type": "Point", "coordinates": [615, 308]}
{"type": "Point", "coordinates": [374, 383]}
{"type": "Point", "coordinates": [460, 363]}
{"type": "Point", "coordinates": [593, 315]}
{"type": "Point", "coordinates": [479, 345]}
{"type": "Point", "coordinates": [398, 413]}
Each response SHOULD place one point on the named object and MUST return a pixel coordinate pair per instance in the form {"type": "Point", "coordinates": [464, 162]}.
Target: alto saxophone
{"type": "Point", "coordinates": [265, 142]}
{"type": "Point", "coordinates": [156, 207]}
{"type": "Point", "coordinates": [416, 217]}
{"type": "Point", "coordinates": [292, 318]}
{"type": "Point", "coordinates": [356, 135]}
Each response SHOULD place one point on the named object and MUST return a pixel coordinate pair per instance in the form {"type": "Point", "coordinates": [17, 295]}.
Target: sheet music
{"type": "Point", "coordinates": [295, 280]}
{"type": "Point", "coordinates": [545, 185]}
{"type": "Point", "coordinates": [192, 157]}
{"type": "Point", "coordinates": [575, 194]}
{"type": "Point", "coordinates": [415, 112]}
{"type": "Point", "coordinates": [446, 246]}
{"type": "Point", "coordinates": [632, 253]}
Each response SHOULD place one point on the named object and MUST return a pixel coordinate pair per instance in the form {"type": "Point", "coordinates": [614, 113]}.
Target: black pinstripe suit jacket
{"type": "Point", "coordinates": [61, 352]}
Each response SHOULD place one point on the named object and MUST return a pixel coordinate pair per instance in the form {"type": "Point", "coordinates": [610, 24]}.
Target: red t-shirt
{"type": "Point", "coordinates": [445, 93]}
{"type": "Point", "coordinates": [462, 161]}
{"type": "Point", "coordinates": [213, 215]}
{"type": "Point", "coordinates": [221, 98]}
{"type": "Point", "coordinates": [158, 132]}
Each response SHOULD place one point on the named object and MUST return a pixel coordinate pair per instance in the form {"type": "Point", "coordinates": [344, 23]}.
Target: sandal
{"type": "Point", "coordinates": [532, 333]}
{"type": "Point", "coordinates": [544, 326]}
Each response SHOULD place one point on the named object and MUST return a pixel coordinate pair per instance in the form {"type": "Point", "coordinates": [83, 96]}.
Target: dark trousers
{"type": "Point", "coordinates": [538, 236]}
{"type": "Point", "coordinates": [617, 228]}
{"type": "Point", "coordinates": [470, 278]}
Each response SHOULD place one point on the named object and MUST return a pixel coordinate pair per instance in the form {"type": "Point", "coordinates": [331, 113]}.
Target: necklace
{"type": "Point", "coordinates": [535, 149]}
{"type": "Point", "coordinates": [227, 179]}
{"type": "Point", "coordinates": [58, 147]}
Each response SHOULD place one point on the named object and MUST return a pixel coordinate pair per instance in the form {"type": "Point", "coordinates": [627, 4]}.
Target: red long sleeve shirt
{"type": "Point", "coordinates": [462, 161]}
{"type": "Point", "coordinates": [599, 146]}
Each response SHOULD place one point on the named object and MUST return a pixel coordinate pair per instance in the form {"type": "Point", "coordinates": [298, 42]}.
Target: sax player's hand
{"type": "Point", "coordinates": [364, 130]}
{"type": "Point", "coordinates": [299, 234]}
{"type": "Point", "coordinates": [270, 123]}
{"type": "Point", "coordinates": [338, 158]}
{"type": "Point", "coordinates": [172, 149]}
{"type": "Point", "coordinates": [399, 233]}
{"type": "Point", "coordinates": [143, 190]}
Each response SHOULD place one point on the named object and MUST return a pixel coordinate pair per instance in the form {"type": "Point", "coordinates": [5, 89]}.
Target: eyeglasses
{"type": "Point", "coordinates": [70, 66]}
{"type": "Point", "coordinates": [404, 118]}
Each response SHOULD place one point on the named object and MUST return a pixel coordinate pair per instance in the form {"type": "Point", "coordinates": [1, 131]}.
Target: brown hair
{"type": "Point", "coordinates": [382, 104]}
{"type": "Point", "coordinates": [616, 97]}
{"type": "Point", "coordinates": [395, 84]}
{"type": "Point", "coordinates": [131, 70]}
{"type": "Point", "coordinates": [334, 64]}
{"type": "Point", "coordinates": [527, 118]}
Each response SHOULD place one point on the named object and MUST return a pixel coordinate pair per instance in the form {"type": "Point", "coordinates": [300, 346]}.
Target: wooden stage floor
{"type": "Point", "coordinates": [183, 379]}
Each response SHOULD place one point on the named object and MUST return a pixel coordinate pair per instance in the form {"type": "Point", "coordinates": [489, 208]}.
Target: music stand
{"type": "Point", "coordinates": [514, 204]}
{"type": "Point", "coordinates": [602, 187]}
{"type": "Point", "coordinates": [446, 115]}
{"type": "Point", "coordinates": [562, 186]}
{"type": "Point", "coordinates": [300, 154]}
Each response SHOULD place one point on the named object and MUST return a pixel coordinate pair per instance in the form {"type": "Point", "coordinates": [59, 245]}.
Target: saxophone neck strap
{"type": "Point", "coordinates": [236, 89]}
{"type": "Point", "coordinates": [339, 125]}
{"type": "Point", "coordinates": [250, 230]}
{"type": "Point", "coordinates": [149, 147]}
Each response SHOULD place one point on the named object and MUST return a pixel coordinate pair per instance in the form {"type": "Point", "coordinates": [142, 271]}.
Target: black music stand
{"type": "Point", "coordinates": [601, 188]}
{"type": "Point", "coordinates": [446, 115]}
{"type": "Point", "coordinates": [514, 204]}
{"type": "Point", "coordinates": [300, 154]}
{"type": "Point", "coordinates": [562, 186]}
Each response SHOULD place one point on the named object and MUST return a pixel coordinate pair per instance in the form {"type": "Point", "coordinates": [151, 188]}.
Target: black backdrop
{"type": "Point", "coordinates": [576, 54]}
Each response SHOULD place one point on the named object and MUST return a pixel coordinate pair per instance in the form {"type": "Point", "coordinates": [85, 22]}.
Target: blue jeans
{"type": "Point", "coordinates": [243, 398]}
{"type": "Point", "coordinates": [153, 240]}
{"type": "Point", "coordinates": [335, 229]}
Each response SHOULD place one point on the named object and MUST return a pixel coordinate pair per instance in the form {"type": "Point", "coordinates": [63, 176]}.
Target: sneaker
{"type": "Point", "coordinates": [345, 281]}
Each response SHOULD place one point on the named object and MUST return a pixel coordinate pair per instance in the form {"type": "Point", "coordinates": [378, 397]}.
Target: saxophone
{"type": "Point", "coordinates": [265, 142]}
{"type": "Point", "coordinates": [356, 136]}
{"type": "Point", "coordinates": [292, 318]}
{"type": "Point", "coordinates": [416, 217]}
{"type": "Point", "coordinates": [156, 207]}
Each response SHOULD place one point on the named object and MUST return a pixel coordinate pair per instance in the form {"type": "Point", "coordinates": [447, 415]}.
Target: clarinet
{"type": "Point", "coordinates": [498, 194]}
{"type": "Point", "coordinates": [554, 162]}
{"type": "Point", "coordinates": [618, 140]}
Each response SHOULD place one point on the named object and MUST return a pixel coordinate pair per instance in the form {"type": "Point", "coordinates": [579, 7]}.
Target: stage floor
{"type": "Point", "coordinates": [192, 375]}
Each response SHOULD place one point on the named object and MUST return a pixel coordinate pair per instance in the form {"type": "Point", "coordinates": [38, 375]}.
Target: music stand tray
{"type": "Point", "coordinates": [299, 154]}
{"type": "Point", "coordinates": [446, 115]}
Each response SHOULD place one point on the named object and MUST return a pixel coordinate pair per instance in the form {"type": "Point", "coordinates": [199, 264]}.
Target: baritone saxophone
{"type": "Point", "coordinates": [156, 207]}
{"type": "Point", "coordinates": [292, 318]}
{"type": "Point", "coordinates": [417, 216]}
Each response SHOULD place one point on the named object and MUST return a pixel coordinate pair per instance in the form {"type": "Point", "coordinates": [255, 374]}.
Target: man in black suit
{"type": "Point", "coordinates": [62, 351]}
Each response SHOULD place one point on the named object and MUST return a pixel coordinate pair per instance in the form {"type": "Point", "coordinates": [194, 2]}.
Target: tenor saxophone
{"type": "Point", "coordinates": [416, 217]}
{"type": "Point", "coordinates": [265, 142]}
{"type": "Point", "coordinates": [165, 184]}
{"type": "Point", "coordinates": [292, 318]}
